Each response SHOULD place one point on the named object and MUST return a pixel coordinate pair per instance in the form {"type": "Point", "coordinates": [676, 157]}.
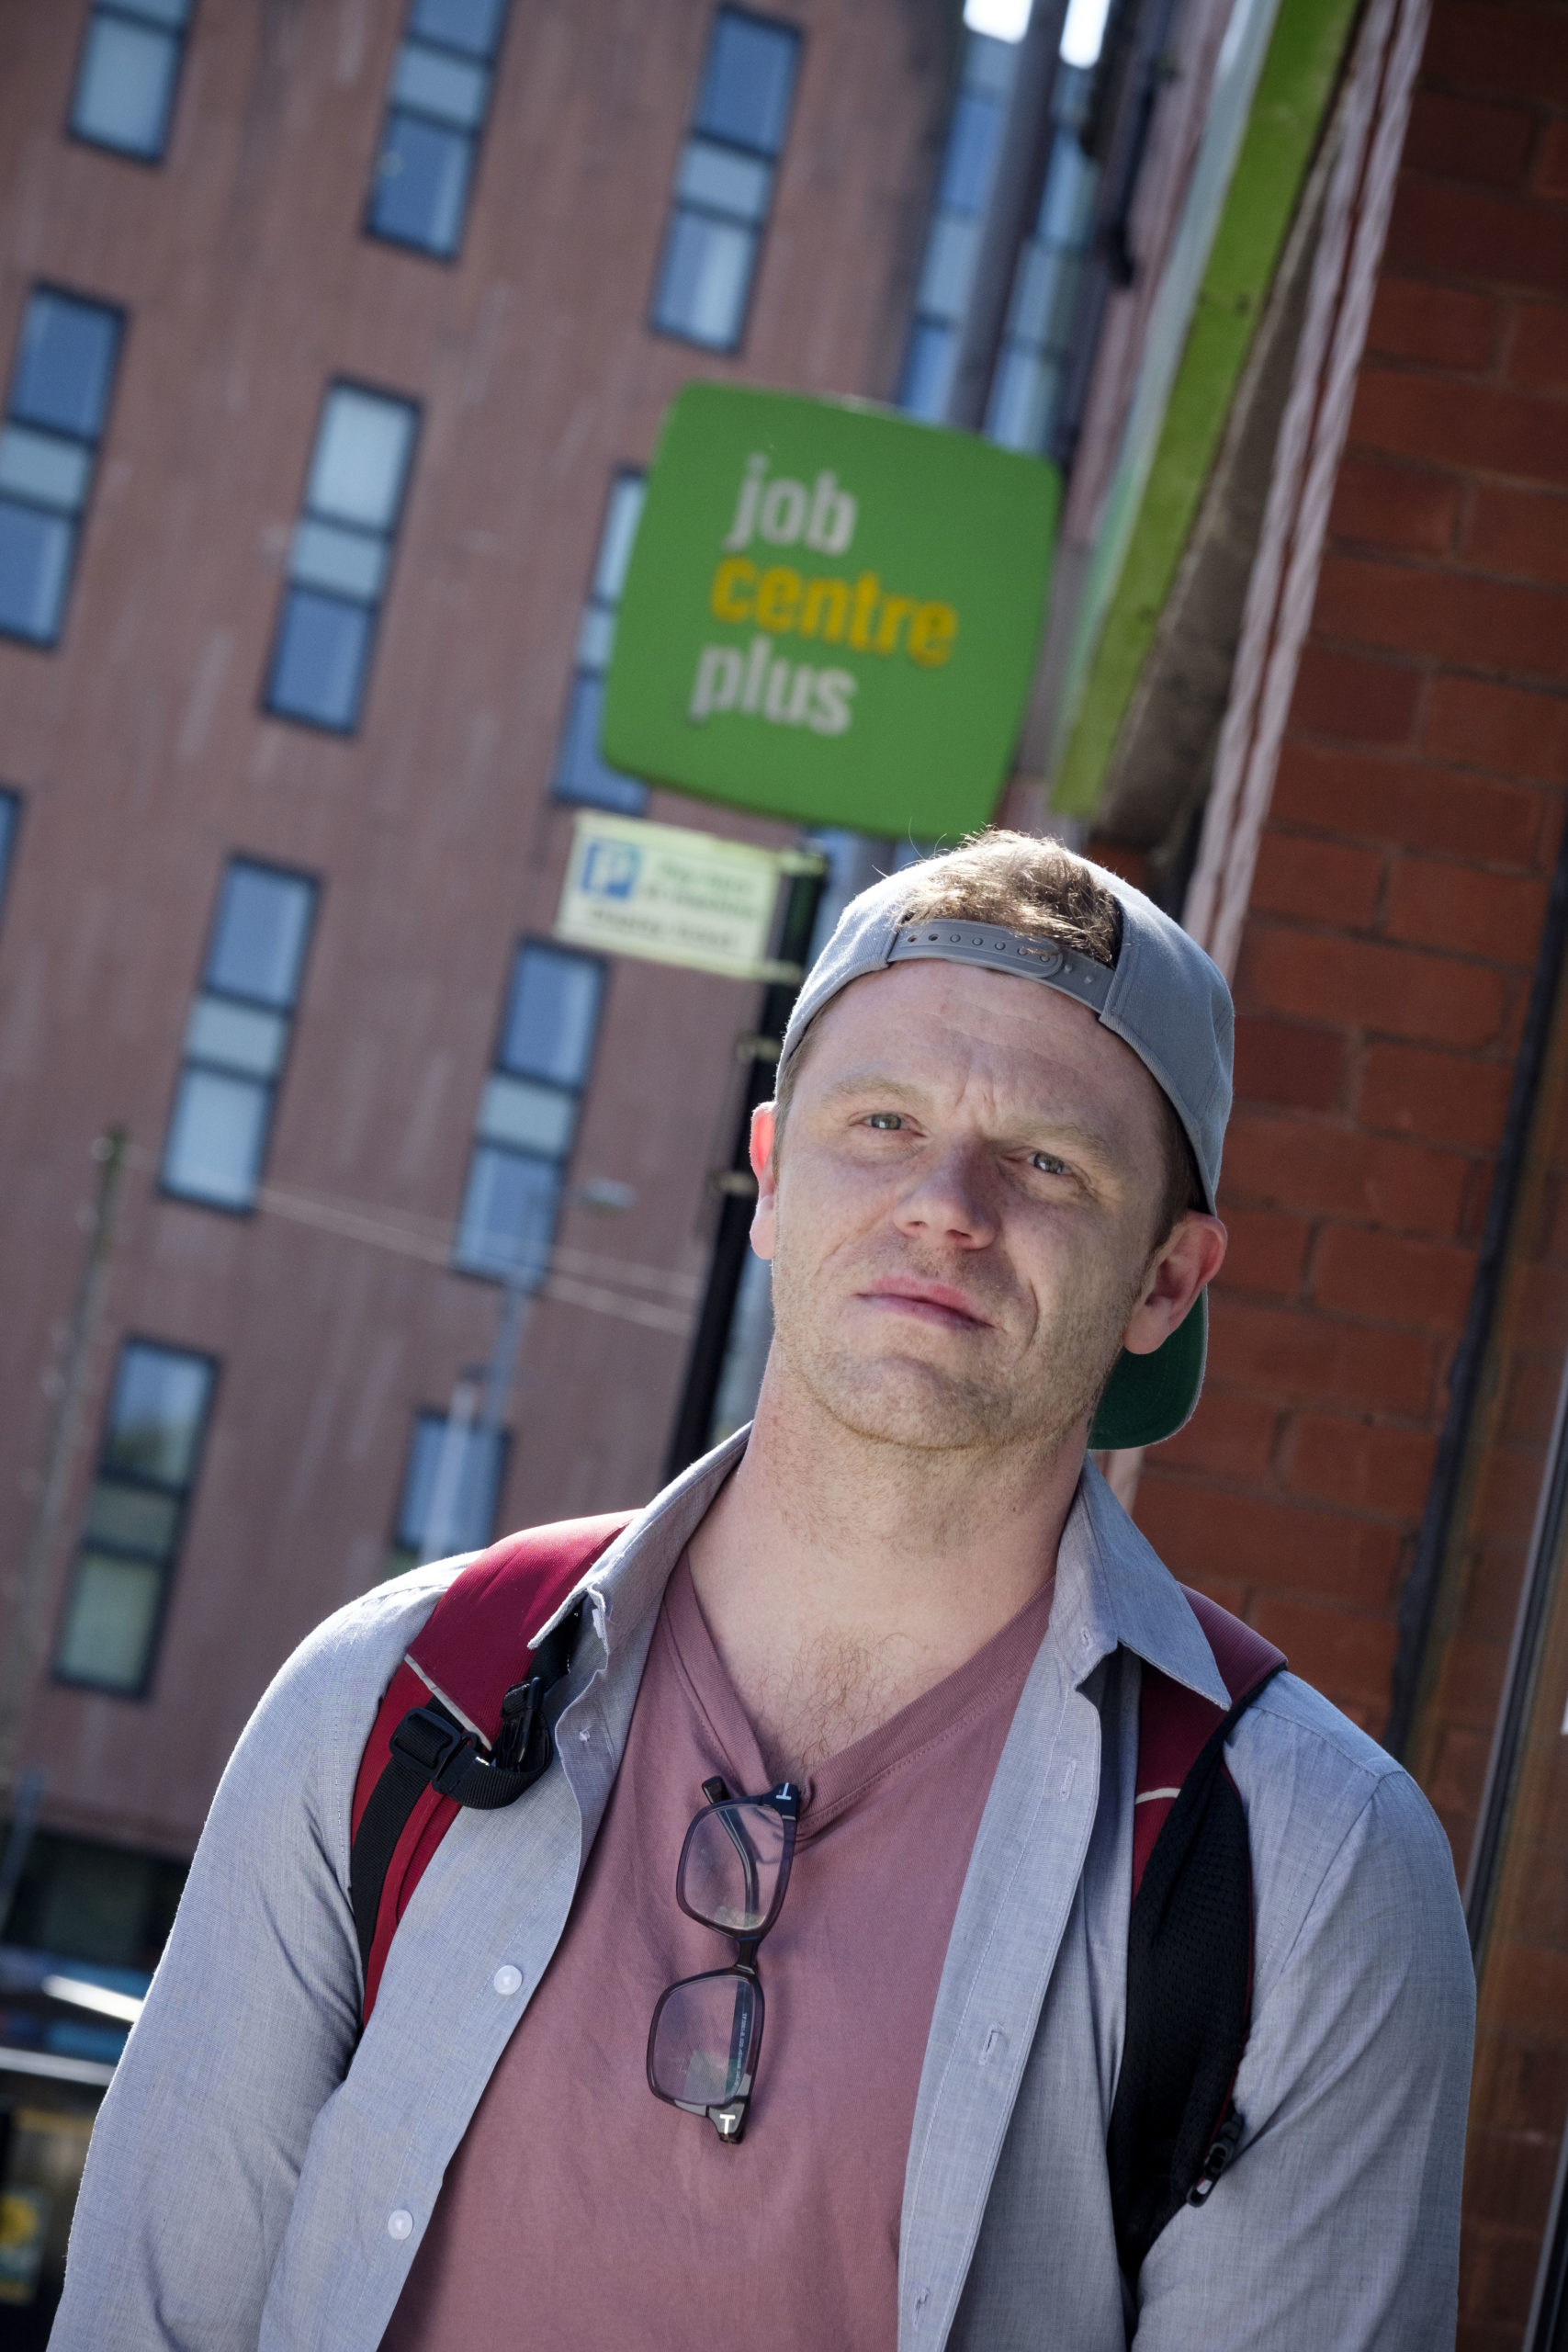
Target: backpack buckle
{"type": "Point", "coordinates": [1222, 2148]}
{"type": "Point", "coordinates": [429, 1740]}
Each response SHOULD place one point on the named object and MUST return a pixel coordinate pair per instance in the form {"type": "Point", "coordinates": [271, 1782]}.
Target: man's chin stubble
{"type": "Point", "coordinates": [916, 1407]}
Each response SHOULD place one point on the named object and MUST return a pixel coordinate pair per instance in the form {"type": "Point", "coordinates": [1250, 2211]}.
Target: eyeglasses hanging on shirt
{"type": "Point", "coordinates": [707, 2033]}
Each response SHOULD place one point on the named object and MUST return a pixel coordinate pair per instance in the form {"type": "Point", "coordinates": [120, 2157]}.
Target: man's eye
{"type": "Point", "coordinates": [1047, 1163]}
{"type": "Point", "coordinates": [884, 1119]}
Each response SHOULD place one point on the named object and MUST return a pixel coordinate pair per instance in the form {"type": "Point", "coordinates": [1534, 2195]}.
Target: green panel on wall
{"type": "Point", "coordinates": [1294, 90]}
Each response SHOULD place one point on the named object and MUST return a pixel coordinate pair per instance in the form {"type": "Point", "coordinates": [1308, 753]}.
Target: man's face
{"type": "Point", "coordinates": [961, 1215]}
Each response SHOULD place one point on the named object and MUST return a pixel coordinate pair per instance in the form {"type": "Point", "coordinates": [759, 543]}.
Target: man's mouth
{"type": "Point", "coordinates": [925, 1302]}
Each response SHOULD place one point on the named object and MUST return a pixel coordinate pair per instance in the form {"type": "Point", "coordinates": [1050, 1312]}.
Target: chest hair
{"type": "Point", "coordinates": [817, 1699]}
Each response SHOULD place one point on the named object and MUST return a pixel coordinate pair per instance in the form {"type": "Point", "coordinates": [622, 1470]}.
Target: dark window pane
{"type": "Point", "coordinates": [971, 151]}
{"type": "Point", "coordinates": [705, 281]}
{"type": "Point", "coordinates": [509, 1215]}
{"type": "Point", "coordinates": [621, 518]}
{"type": "Point", "coordinates": [318, 668]}
{"type": "Point", "coordinates": [422, 181]}
{"type": "Point", "coordinates": [216, 1138]}
{"type": "Point", "coordinates": [746, 89]}
{"type": "Point", "coordinates": [258, 941]}
{"type": "Point", "coordinates": [64, 364]}
{"type": "Point", "coordinates": [160, 1403]}
{"type": "Point", "coordinates": [581, 771]}
{"type": "Point", "coordinates": [134, 1519]}
{"type": "Point", "coordinates": [35, 565]}
{"type": "Point", "coordinates": [927, 372]}
{"type": "Point", "coordinates": [108, 1628]}
{"type": "Point", "coordinates": [470, 25]}
{"type": "Point", "coordinates": [9, 806]}
{"type": "Point", "coordinates": [449, 1489]}
{"type": "Point", "coordinates": [552, 1016]}
{"type": "Point", "coordinates": [359, 465]}
{"type": "Point", "coordinates": [125, 86]}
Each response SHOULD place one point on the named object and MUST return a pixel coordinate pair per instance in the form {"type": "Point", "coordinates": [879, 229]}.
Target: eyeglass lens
{"type": "Point", "coordinates": [733, 1867]}
{"type": "Point", "coordinates": [705, 2032]}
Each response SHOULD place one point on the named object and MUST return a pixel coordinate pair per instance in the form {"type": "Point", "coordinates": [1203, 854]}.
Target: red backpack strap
{"type": "Point", "coordinates": [462, 1720]}
{"type": "Point", "coordinates": [1174, 2127]}
{"type": "Point", "coordinates": [1175, 1724]}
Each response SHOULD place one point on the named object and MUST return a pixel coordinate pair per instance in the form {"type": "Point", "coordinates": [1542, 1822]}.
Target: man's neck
{"type": "Point", "coordinates": [843, 1577]}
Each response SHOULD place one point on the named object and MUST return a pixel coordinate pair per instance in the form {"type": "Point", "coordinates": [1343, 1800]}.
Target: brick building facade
{"type": "Point", "coordinates": [1389, 1333]}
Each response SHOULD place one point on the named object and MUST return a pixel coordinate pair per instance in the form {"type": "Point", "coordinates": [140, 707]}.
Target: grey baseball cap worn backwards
{"type": "Point", "coordinates": [1162, 996]}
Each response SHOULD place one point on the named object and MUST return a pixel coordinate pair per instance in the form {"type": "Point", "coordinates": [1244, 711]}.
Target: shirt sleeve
{"type": "Point", "coordinates": [1337, 2227]}
{"type": "Point", "coordinates": [248, 2025]}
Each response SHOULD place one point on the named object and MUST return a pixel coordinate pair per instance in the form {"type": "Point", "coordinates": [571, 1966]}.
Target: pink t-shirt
{"type": "Point", "coordinates": [580, 2212]}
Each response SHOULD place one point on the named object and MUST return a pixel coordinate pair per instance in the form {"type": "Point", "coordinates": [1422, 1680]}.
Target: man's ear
{"type": "Point", "coordinates": [1186, 1263]}
{"type": "Point", "coordinates": [764, 1133]}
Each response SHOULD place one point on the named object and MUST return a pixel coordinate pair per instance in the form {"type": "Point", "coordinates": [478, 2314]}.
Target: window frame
{"type": "Point", "coordinates": [476, 141]}
{"type": "Point", "coordinates": [347, 730]}
{"type": "Point", "coordinates": [181, 37]}
{"type": "Point", "coordinates": [13, 801]}
{"type": "Point", "coordinates": [677, 204]}
{"type": "Point", "coordinates": [272, 1086]}
{"type": "Point", "coordinates": [80, 518]}
{"type": "Point", "coordinates": [984, 77]}
{"type": "Point", "coordinates": [139, 1693]}
{"type": "Point", "coordinates": [593, 602]}
{"type": "Point", "coordinates": [496, 1067]}
{"type": "Point", "coordinates": [421, 1415]}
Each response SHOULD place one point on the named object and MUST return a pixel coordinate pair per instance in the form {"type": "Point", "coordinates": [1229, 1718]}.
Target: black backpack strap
{"type": "Point", "coordinates": [1173, 2126]}
{"type": "Point", "coordinates": [431, 1749]}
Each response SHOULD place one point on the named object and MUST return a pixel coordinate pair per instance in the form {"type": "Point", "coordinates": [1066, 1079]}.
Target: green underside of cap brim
{"type": "Point", "coordinates": [1149, 1397]}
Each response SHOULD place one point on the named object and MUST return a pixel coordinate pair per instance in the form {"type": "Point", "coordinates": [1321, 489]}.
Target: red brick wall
{"type": "Point", "coordinates": [1395, 916]}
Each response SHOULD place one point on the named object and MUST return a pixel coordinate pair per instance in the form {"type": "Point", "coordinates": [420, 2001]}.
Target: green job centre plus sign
{"type": "Point", "coordinates": [831, 614]}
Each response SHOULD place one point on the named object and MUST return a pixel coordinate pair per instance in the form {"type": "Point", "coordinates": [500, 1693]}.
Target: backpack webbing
{"type": "Point", "coordinates": [1173, 2126]}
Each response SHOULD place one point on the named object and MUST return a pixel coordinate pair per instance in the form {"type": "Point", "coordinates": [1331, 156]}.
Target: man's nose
{"type": "Point", "coordinates": [951, 1199]}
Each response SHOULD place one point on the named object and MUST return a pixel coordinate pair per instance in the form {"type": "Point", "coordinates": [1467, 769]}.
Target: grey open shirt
{"type": "Point", "coordinates": [247, 2183]}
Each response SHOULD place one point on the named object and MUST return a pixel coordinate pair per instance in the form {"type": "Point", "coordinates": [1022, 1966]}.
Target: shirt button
{"type": "Point", "coordinates": [400, 2224]}
{"type": "Point", "coordinates": [507, 1979]}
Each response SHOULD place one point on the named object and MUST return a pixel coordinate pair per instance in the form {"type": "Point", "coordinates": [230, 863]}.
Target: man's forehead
{"type": "Point", "coordinates": [922, 1005]}
{"type": "Point", "coordinates": [907, 1022]}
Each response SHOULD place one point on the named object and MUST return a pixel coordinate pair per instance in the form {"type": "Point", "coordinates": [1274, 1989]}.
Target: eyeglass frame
{"type": "Point", "coordinates": [729, 2120]}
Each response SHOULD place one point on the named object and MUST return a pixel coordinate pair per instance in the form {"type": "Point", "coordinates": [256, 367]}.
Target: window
{"type": "Point", "coordinates": [451, 1489]}
{"type": "Point", "coordinates": [974, 141]}
{"type": "Point", "coordinates": [130, 69]}
{"type": "Point", "coordinates": [55, 421]}
{"type": "Point", "coordinates": [581, 771]}
{"type": "Point", "coordinates": [10, 818]}
{"type": "Point", "coordinates": [151, 1448]}
{"type": "Point", "coordinates": [724, 181]}
{"type": "Point", "coordinates": [1038, 343]}
{"type": "Point", "coordinates": [237, 1037]}
{"type": "Point", "coordinates": [435, 111]}
{"type": "Point", "coordinates": [337, 568]}
{"type": "Point", "coordinates": [528, 1114]}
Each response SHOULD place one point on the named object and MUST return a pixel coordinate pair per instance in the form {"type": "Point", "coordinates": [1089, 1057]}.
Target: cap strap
{"type": "Point", "coordinates": [1000, 950]}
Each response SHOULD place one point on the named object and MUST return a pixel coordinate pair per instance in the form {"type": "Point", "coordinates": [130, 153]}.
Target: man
{"type": "Point", "coordinates": [907, 1605]}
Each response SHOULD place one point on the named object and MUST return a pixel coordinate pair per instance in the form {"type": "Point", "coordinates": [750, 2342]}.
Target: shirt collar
{"type": "Point", "coordinates": [1114, 1591]}
{"type": "Point", "coordinates": [1112, 1588]}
